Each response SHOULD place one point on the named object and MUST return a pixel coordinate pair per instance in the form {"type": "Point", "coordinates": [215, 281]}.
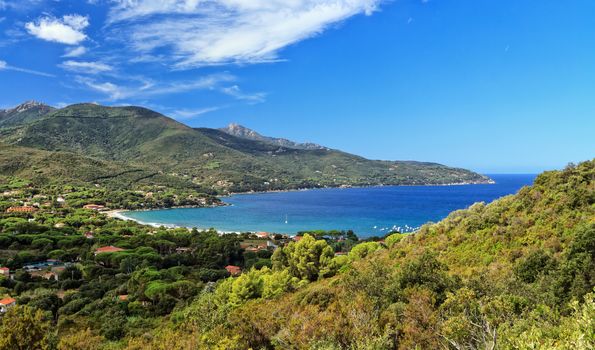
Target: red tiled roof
{"type": "Point", "coordinates": [7, 301]}
{"type": "Point", "coordinates": [93, 206]}
{"type": "Point", "coordinates": [108, 249]}
{"type": "Point", "coordinates": [234, 270]}
{"type": "Point", "coordinates": [4, 269]}
{"type": "Point", "coordinates": [23, 209]}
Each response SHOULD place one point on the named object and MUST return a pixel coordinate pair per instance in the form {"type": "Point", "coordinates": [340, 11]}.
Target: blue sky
{"type": "Point", "coordinates": [494, 86]}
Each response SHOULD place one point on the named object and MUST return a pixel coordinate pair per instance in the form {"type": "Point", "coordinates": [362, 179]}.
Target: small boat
{"type": "Point", "coordinates": [286, 218]}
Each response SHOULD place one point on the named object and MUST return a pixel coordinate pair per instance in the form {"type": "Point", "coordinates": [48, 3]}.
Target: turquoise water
{"type": "Point", "coordinates": [367, 211]}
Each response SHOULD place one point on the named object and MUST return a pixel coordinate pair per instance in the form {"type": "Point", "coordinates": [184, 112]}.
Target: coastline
{"type": "Point", "coordinates": [121, 213]}
{"type": "Point", "coordinates": [489, 182]}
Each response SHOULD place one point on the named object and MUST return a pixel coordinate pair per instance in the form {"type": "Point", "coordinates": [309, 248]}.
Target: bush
{"type": "Point", "coordinates": [535, 264]}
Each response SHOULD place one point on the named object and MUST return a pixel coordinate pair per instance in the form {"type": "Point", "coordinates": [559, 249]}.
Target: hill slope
{"type": "Point", "coordinates": [67, 168]}
{"type": "Point", "coordinates": [140, 137]}
{"type": "Point", "coordinates": [496, 276]}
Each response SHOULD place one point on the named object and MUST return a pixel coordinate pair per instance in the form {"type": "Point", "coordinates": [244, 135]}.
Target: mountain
{"type": "Point", "coordinates": [245, 133]}
{"type": "Point", "coordinates": [24, 113]}
{"type": "Point", "coordinates": [141, 138]}
{"type": "Point", "coordinates": [517, 273]}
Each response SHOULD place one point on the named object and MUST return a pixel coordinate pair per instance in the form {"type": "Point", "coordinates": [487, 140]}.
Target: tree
{"type": "Point", "coordinates": [426, 271]}
{"type": "Point", "coordinates": [362, 250]}
{"type": "Point", "coordinates": [393, 239]}
{"type": "Point", "coordinates": [71, 272]}
{"type": "Point", "coordinates": [308, 259]}
{"type": "Point", "coordinates": [277, 283]}
{"type": "Point", "coordinates": [246, 286]}
{"type": "Point", "coordinates": [24, 328]}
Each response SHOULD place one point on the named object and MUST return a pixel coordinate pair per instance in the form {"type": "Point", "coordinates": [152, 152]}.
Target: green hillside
{"type": "Point", "coordinates": [517, 273]}
{"type": "Point", "coordinates": [42, 167]}
{"type": "Point", "coordinates": [139, 137]}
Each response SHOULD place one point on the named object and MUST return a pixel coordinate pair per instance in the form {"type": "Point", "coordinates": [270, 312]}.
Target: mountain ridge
{"type": "Point", "coordinates": [247, 133]}
{"type": "Point", "coordinates": [25, 112]}
{"type": "Point", "coordinates": [212, 158]}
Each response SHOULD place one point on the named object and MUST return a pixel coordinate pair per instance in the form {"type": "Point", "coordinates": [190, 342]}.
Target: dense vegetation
{"type": "Point", "coordinates": [514, 274]}
{"type": "Point", "coordinates": [62, 282]}
{"type": "Point", "coordinates": [130, 146]}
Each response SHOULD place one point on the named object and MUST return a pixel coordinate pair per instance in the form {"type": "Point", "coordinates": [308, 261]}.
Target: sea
{"type": "Point", "coordinates": [368, 211]}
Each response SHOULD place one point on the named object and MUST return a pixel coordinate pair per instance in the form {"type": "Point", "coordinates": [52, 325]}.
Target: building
{"type": "Point", "coordinates": [182, 250]}
{"type": "Point", "coordinates": [48, 275]}
{"type": "Point", "coordinates": [94, 207]}
{"type": "Point", "coordinates": [252, 249]}
{"type": "Point", "coordinates": [5, 271]}
{"type": "Point", "coordinates": [253, 246]}
{"type": "Point", "coordinates": [6, 304]}
{"type": "Point", "coordinates": [262, 234]}
{"type": "Point", "coordinates": [23, 209]}
{"type": "Point", "coordinates": [89, 235]}
{"type": "Point", "coordinates": [233, 270]}
{"type": "Point", "coordinates": [108, 249]}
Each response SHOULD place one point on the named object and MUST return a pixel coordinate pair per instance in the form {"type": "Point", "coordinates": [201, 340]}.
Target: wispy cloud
{"type": "Point", "coordinates": [148, 88]}
{"type": "Point", "coordinates": [75, 51]}
{"type": "Point", "coordinates": [86, 67]}
{"type": "Point", "coordinates": [227, 31]}
{"type": "Point", "coordinates": [236, 92]}
{"type": "Point", "coordinates": [66, 30]}
{"type": "Point", "coordinates": [6, 66]}
{"type": "Point", "coordinates": [185, 114]}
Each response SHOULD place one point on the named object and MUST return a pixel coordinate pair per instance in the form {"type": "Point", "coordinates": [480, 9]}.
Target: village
{"type": "Point", "coordinates": [64, 242]}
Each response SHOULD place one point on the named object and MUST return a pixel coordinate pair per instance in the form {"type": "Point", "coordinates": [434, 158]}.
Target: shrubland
{"type": "Point", "coordinates": [517, 273]}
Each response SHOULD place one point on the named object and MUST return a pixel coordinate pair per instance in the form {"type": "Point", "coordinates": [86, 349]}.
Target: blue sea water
{"type": "Point", "coordinates": [371, 211]}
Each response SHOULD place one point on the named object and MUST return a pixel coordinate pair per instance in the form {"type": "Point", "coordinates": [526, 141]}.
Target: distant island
{"type": "Point", "coordinates": [137, 148]}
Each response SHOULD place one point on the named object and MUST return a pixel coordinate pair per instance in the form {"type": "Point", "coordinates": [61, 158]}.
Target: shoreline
{"type": "Point", "coordinates": [490, 182]}
{"type": "Point", "coordinates": [120, 213]}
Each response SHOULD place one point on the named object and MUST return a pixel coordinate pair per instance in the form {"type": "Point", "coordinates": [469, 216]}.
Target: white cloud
{"type": "Point", "coordinates": [75, 51]}
{"type": "Point", "coordinates": [86, 67]}
{"type": "Point", "coordinates": [149, 88]}
{"type": "Point", "coordinates": [227, 31]}
{"type": "Point", "coordinates": [5, 66]}
{"type": "Point", "coordinates": [192, 113]}
{"type": "Point", "coordinates": [68, 30]}
{"type": "Point", "coordinates": [236, 92]}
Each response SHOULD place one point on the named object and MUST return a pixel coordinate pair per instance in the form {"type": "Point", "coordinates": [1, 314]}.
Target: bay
{"type": "Point", "coordinates": [370, 211]}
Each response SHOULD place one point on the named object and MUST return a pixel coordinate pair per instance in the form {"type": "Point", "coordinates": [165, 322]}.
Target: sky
{"type": "Point", "coordinates": [504, 86]}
